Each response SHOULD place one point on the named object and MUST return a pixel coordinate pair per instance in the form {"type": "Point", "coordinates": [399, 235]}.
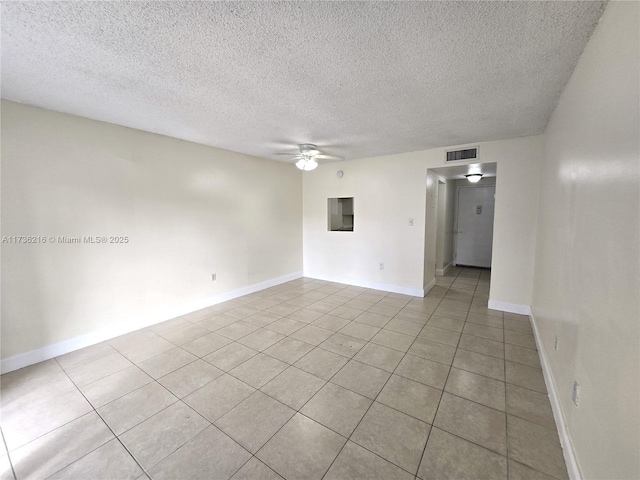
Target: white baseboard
{"type": "Point", "coordinates": [429, 286]}
{"type": "Point", "coordinates": [567, 447]}
{"type": "Point", "coordinates": [509, 307]}
{"type": "Point", "coordinates": [573, 469]}
{"type": "Point", "coordinates": [356, 282]}
{"type": "Point", "coordinates": [441, 272]}
{"type": "Point", "coordinates": [50, 351]}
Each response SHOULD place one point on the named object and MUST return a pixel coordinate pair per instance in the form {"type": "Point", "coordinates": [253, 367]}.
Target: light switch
{"type": "Point", "coordinates": [411, 222]}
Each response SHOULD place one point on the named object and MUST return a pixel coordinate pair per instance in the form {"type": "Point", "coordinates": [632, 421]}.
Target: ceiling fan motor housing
{"type": "Point", "coordinates": [308, 149]}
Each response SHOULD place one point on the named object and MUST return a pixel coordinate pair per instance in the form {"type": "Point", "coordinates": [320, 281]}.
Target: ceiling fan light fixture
{"type": "Point", "coordinates": [474, 177]}
{"type": "Point", "coordinates": [309, 155]}
{"type": "Point", "coordinates": [306, 164]}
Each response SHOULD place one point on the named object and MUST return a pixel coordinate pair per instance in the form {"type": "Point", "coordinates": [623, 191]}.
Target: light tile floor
{"type": "Point", "coordinates": [308, 379]}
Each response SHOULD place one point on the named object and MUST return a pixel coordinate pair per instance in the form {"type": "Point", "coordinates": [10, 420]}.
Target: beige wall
{"type": "Point", "coordinates": [587, 261]}
{"type": "Point", "coordinates": [391, 189]}
{"type": "Point", "coordinates": [430, 233]}
{"type": "Point", "coordinates": [449, 227]}
{"type": "Point", "coordinates": [381, 232]}
{"type": "Point", "coordinates": [441, 224]}
{"type": "Point", "coordinates": [188, 210]}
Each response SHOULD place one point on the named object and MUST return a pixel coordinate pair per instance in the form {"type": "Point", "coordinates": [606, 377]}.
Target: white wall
{"type": "Point", "coordinates": [441, 225]}
{"type": "Point", "coordinates": [381, 213]}
{"type": "Point", "coordinates": [446, 214]}
{"type": "Point", "coordinates": [449, 225]}
{"type": "Point", "coordinates": [391, 189]}
{"type": "Point", "coordinates": [587, 282]}
{"type": "Point", "coordinates": [188, 210]}
{"type": "Point", "coordinates": [430, 233]}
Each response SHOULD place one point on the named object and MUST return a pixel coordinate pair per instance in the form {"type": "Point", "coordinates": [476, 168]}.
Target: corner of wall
{"type": "Point", "coordinates": [414, 292]}
{"type": "Point", "coordinates": [509, 307]}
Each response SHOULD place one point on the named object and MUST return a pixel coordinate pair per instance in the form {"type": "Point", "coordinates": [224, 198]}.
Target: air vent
{"type": "Point", "coordinates": [464, 154]}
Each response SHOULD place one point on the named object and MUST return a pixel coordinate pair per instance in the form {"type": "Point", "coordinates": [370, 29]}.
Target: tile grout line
{"type": "Point", "coordinates": [13, 470]}
{"type": "Point", "coordinates": [375, 399]}
{"type": "Point", "coordinates": [117, 437]}
{"type": "Point", "coordinates": [506, 404]}
{"type": "Point", "coordinates": [506, 383]}
{"type": "Point", "coordinates": [313, 396]}
{"type": "Point", "coordinates": [179, 400]}
{"type": "Point", "coordinates": [444, 386]}
{"type": "Point", "coordinates": [451, 366]}
{"type": "Point", "coordinates": [370, 405]}
{"type": "Point", "coordinates": [369, 408]}
{"type": "Point", "coordinates": [286, 336]}
{"type": "Point", "coordinates": [101, 418]}
{"type": "Point", "coordinates": [328, 381]}
{"type": "Point", "coordinates": [103, 421]}
{"type": "Point", "coordinates": [296, 411]}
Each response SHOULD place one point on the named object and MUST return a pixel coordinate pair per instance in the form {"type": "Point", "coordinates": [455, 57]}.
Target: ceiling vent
{"type": "Point", "coordinates": [462, 155]}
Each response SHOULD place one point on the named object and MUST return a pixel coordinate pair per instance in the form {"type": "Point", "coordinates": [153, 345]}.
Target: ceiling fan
{"type": "Point", "coordinates": [308, 156]}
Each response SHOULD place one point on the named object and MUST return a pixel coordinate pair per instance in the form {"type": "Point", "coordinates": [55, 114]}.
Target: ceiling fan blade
{"type": "Point", "coordinates": [308, 151]}
{"type": "Point", "coordinates": [328, 158]}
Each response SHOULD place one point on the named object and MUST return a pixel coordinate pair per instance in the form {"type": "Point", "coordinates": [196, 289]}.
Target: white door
{"type": "Point", "coordinates": [474, 235]}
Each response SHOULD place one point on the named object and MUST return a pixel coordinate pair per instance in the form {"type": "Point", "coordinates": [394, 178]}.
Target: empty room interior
{"type": "Point", "coordinates": [320, 240]}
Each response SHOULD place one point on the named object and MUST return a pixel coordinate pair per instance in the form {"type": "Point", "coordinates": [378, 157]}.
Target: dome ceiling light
{"type": "Point", "coordinates": [474, 177]}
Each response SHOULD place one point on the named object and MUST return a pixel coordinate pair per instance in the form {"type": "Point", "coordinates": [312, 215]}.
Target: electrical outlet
{"type": "Point", "coordinates": [555, 346]}
{"type": "Point", "coordinates": [575, 396]}
{"type": "Point", "coordinates": [381, 266]}
{"type": "Point", "coordinates": [213, 277]}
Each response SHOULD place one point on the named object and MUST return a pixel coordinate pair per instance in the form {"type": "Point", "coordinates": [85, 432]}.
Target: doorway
{"type": "Point", "coordinates": [474, 226]}
{"type": "Point", "coordinates": [441, 226]}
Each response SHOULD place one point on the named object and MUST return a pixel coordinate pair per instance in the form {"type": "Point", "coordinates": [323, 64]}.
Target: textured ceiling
{"type": "Point", "coordinates": [358, 79]}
